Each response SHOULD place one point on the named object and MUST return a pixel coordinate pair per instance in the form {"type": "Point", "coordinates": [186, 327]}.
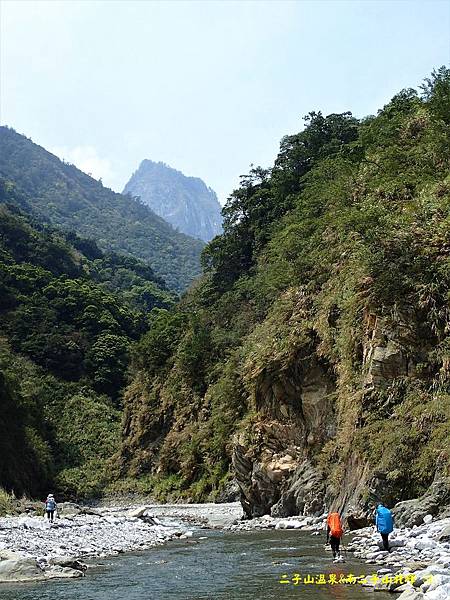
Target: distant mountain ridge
{"type": "Point", "coordinates": [66, 197]}
{"type": "Point", "coordinates": [185, 202]}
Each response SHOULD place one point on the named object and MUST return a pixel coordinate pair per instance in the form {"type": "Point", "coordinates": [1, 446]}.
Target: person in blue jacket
{"type": "Point", "coordinates": [384, 524]}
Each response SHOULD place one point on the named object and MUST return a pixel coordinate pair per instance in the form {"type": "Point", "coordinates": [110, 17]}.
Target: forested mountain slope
{"type": "Point", "coordinates": [68, 315]}
{"type": "Point", "coordinates": [185, 202]}
{"type": "Point", "coordinates": [70, 199]}
{"type": "Point", "coordinates": [311, 362]}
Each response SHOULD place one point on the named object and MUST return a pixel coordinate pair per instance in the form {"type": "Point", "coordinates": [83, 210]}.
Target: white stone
{"type": "Point", "coordinates": [411, 594]}
{"type": "Point", "coordinates": [397, 543]}
{"type": "Point", "coordinates": [58, 572]}
{"type": "Point", "coordinates": [425, 543]}
{"type": "Point", "coordinates": [440, 593]}
{"type": "Point", "coordinates": [288, 524]}
{"type": "Point", "coordinates": [439, 580]}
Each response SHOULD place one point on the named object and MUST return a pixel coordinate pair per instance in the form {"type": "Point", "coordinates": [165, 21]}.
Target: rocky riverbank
{"type": "Point", "coordinates": [417, 567]}
{"type": "Point", "coordinates": [421, 552]}
{"type": "Point", "coordinates": [33, 549]}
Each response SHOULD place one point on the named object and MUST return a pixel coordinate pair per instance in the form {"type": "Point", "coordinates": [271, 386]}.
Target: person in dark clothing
{"type": "Point", "coordinates": [335, 543]}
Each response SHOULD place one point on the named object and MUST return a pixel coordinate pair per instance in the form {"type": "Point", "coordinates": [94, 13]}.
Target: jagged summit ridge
{"type": "Point", "coordinates": [185, 202]}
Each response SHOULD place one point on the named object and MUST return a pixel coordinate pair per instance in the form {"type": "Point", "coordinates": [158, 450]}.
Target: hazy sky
{"type": "Point", "coordinates": [208, 87]}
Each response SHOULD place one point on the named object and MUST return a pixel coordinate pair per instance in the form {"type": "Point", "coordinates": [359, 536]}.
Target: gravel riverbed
{"type": "Point", "coordinates": [418, 566]}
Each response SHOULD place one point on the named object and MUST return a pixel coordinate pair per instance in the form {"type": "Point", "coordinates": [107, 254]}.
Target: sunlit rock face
{"type": "Point", "coordinates": [185, 202]}
{"type": "Point", "coordinates": [275, 465]}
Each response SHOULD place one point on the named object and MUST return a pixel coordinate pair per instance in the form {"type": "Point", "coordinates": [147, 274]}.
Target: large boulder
{"type": "Point", "coordinates": [435, 500]}
{"type": "Point", "coordinates": [138, 512]}
{"type": "Point", "coordinates": [17, 568]}
{"type": "Point", "coordinates": [60, 572]}
{"type": "Point", "coordinates": [411, 594]}
{"type": "Point", "coordinates": [444, 536]}
{"type": "Point", "coordinates": [68, 509]}
{"type": "Point", "coordinates": [440, 593]}
{"type": "Point", "coordinates": [14, 567]}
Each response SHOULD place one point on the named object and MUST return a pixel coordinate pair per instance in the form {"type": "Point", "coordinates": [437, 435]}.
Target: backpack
{"type": "Point", "coordinates": [334, 523]}
{"type": "Point", "coordinates": [50, 504]}
{"type": "Point", "coordinates": [385, 523]}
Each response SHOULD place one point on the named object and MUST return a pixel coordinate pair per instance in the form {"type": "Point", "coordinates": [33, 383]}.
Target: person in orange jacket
{"type": "Point", "coordinates": [334, 533]}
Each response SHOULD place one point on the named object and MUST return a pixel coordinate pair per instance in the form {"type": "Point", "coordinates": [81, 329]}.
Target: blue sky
{"type": "Point", "coordinates": [208, 87]}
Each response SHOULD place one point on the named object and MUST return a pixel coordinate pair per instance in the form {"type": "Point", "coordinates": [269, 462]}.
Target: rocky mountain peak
{"type": "Point", "coordinates": [185, 202]}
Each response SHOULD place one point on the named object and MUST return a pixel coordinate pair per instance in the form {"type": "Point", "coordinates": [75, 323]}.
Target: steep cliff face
{"type": "Point", "coordinates": [185, 202]}
{"type": "Point", "coordinates": [312, 363]}
{"type": "Point", "coordinates": [279, 461]}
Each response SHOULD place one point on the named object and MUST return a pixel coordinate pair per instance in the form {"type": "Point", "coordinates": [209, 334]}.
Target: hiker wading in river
{"type": "Point", "coordinates": [334, 534]}
{"type": "Point", "coordinates": [50, 507]}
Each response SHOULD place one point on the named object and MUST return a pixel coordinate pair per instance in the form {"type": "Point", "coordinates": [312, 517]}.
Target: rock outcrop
{"type": "Point", "coordinates": [274, 463]}
{"type": "Point", "coordinates": [277, 459]}
{"type": "Point", "coordinates": [435, 502]}
{"type": "Point", "coordinates": [15, 567]}
{"type": "Point", "coordinates": [184, 202]}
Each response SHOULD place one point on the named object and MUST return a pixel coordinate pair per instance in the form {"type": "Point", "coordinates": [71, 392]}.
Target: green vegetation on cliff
{"type": "Point", "coordinates": [59, 193]}
{"type": "Point", "coordinates": [68, 315]}
{"type": "Point", "coordinates": [333, 268]}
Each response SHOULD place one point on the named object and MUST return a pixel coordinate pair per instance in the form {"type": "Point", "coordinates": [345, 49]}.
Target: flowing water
{"type": "Point", "coordinates": [211, 565]}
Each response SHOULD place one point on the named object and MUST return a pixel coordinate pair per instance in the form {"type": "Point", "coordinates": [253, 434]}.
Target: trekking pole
{"type": "Point", "coordinates": [344, 549]}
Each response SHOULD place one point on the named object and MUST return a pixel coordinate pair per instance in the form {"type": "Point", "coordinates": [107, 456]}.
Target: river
{"type": "Point", "coordinates": [211, 565]}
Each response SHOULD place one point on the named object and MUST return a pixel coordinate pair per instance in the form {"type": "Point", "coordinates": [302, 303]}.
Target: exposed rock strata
{"type": "Point", "coordinates": [276, 470]}
{"type": "Point", "coordinates": [276, 460]}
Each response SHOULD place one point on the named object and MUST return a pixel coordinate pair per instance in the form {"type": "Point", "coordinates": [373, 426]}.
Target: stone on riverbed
{"type": "Point", "coordinates": [445, 534]}
{"type": "Point", "coordinates": [138, 512]}
{"type": "Point", "coordinates": [14, 567]}
{"type": "Point", "coordinates": [17, 568]}
{"type": "Point", "coordinates": [289, 524]}
{"type": "Point", "coordinates": [411, 594]}
{"type": "Point", "coordinates": [406, 587]}
{"type": "Point", "coordinates": [58, 572]}
{"type": "Point", "coordinates": [69, 562]}
{"type": "Point", "coordinates": [440, 593]}
{"type": "Point", "coordinates": [424, 543]}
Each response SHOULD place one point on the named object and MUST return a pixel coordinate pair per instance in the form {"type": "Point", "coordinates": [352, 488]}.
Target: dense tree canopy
{"type": "Point", "coordinates": [352, 219]}
{"type": "Point", "coordinates": [68, 316]}
{"type": "Point", "coordinates": [59, 193]}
